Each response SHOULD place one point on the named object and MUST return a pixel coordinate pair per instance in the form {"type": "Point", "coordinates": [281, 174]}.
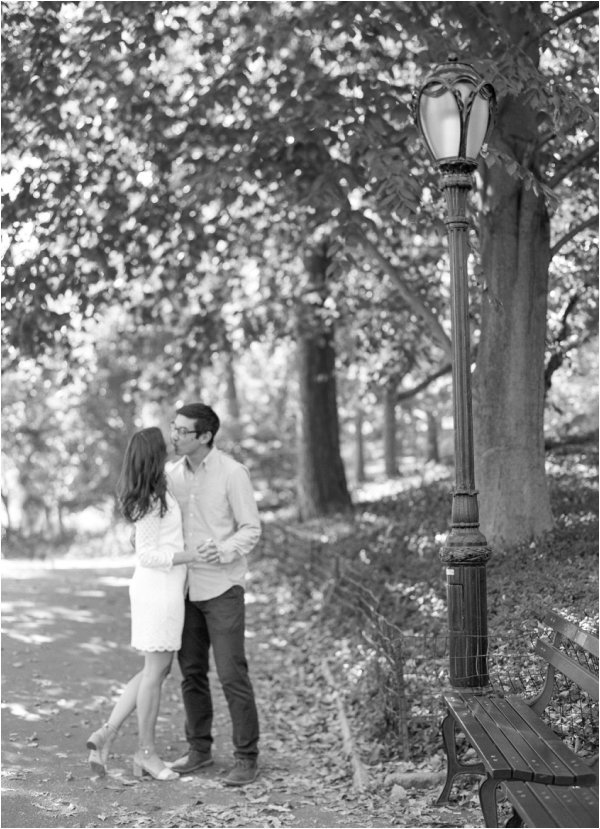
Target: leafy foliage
{"type": "Point", "coordinates": [177, 162]}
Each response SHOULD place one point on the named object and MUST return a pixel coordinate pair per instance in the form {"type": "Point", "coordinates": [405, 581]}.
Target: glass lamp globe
{"type": "Point", "coordinates": [454, 111]}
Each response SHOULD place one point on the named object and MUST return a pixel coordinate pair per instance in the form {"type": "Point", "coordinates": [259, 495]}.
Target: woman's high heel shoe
{"type": "Point", "coordinates": [147, 762]}
{"type": "Point", "coordinates": [99, 742]}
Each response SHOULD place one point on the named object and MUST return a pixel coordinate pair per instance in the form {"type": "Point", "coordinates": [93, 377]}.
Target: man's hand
{"type": "Point", "coordinates": [208, 552]}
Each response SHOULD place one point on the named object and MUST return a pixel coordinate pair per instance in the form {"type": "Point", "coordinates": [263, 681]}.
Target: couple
{"type": "Point", "coordinates": [195, 520]}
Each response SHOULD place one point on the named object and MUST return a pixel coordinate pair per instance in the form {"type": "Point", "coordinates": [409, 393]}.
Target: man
{"type": "Point", "coordinates": [220, 519]}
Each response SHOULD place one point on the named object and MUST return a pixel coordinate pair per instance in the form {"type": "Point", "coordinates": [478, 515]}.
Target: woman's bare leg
{"type": "Point", "coordinates": [156, 668]}
{"type": "Point", "coordinates": [126, 704]}
{"type": "Point", "coordinates": [100, 742]}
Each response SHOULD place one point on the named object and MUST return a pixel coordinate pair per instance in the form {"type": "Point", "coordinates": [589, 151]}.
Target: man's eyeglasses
{"type": "Point", "coordinates": [180, 430]}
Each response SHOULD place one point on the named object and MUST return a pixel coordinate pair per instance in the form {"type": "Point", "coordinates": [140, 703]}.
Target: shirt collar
{"type": "Point", "coordinates": [208, 459]}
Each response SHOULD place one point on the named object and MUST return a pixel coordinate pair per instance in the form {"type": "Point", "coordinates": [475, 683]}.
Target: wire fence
{"type": "Point", "coordinates": [409, 669]}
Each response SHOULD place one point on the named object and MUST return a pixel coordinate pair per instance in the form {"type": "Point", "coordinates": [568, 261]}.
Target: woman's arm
{"type": "Point", "coordinates": [147, 547]}
{"type": "Point", "coordinates": [186, 558]}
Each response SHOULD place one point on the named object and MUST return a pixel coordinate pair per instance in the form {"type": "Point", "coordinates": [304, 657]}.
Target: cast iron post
{"type": "Point", "coordinates": [465, 551]}
{"type": "Point", "coordinates": [454, 112]}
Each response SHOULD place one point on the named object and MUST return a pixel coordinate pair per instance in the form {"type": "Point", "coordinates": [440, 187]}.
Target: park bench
{"type": "Point", "coordinates": [547, 784]}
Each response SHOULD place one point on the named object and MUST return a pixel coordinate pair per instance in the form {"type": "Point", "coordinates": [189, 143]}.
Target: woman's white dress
{"type": "Point", "coordinates": [157, 586]}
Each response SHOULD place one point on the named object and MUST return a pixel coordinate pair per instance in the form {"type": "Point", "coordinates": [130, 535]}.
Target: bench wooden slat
{"type": "Point", "coordinates": [507, 735]}
{"type": "Point", "coordinates": [548, 767]}
{"type": "Point", "coordinates": [580, 803]}
{"type": "Point", "coordinates": [569, 667]}
{"type": "Point", "coordinates": [496, 764]}
{"type": "Point", "coordinates": [550, 806]}
{"type": "Point", "coordinates": [495, 716]}
{"type": "Point", "coordinates": [533, 808]}
{"type": "Point", "coordinates": [571, 631]}
{"type": "Point", "coordinates": [576, 770]}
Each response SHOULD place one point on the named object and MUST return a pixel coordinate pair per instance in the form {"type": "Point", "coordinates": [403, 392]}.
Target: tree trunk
{"type": "Point", "coordinates": [5, 503]}
{"type": "Point", "coordinates": [509, 379]}
{"type": "Point", "coordinates": [231, 397]}
{"type": "Point", "coordinates": [390, 445]}
{"type": "Point", "coordinates": [322, 487]}
{"type": "Point", "coordinates": [359, 446]}
{"type": "Point", "coordinates": [60, 512]}
{"type": "Point", "coordinates": [433, 447]}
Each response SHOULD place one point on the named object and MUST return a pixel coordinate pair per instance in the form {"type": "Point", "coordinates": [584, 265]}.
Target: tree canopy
{"type": "Point", "coordinates": [178, 162]}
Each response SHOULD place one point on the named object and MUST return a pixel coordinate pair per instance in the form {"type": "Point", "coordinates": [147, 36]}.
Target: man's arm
{"type": "Point", "coordinates": [242, 502]}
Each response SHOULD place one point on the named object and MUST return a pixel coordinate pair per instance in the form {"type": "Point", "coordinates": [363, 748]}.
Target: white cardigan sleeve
{"type": "Point", "coordinates": [148, 549]}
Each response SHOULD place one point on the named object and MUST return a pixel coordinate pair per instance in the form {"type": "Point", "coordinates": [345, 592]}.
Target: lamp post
{"type": "Point", "coordinates": [454, 112]}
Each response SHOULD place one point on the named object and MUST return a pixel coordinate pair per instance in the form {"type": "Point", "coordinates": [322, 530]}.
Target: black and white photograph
{"type": "Point", "coordinates": [300, 368]}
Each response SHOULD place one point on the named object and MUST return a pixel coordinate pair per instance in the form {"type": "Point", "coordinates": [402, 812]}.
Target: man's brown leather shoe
{"type": "Point", "coordinates": [244, 771]}
{"type": "Point", "coordinates": [192, 761]}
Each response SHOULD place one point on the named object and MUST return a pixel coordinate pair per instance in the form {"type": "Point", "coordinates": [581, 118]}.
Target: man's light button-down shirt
{"type": "Point", "coordinates": [217, 501]}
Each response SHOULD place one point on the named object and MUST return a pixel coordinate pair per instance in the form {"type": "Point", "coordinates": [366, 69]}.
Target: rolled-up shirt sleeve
{"type": "Point", "coordinates": [245, 515]}
{"type": "Point", "coordinates": [148, 549]}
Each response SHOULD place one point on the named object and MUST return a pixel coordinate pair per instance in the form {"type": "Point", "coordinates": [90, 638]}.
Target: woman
{"type": "Point", "coordinates": [157, 599]}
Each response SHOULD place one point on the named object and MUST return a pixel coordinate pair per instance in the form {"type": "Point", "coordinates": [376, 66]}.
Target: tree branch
{"type": "Point", "coordinates": [591, 222]}
{"type": "Point", "coordinates": [560, 350]}
{"type": "Point", "coordinates": [405, 395]}
{"type": "Point", "coordinates": [573, 162]}
{"type": "Point", "coordinates": [556, 24]}
{"type": "Point", "coordinates": [417, 305]}
{"type": "Point", "coordinates": [583, 9]}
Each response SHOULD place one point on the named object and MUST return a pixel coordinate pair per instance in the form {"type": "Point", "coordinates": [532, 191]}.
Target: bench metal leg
{"type": "Point", "coordinates": [455, 767]}
{"type": "Point", "coordinates": [487, 799]}
{"type": "Point", "coordinates": [514, 822]}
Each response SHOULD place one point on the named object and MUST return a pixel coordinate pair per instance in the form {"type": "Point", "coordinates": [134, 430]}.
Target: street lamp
{"type": "Point", "coordinates": [454, 112]}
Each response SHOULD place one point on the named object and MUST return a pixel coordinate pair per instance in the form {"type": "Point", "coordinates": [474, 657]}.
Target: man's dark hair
{"type": "Point", "coordinates": [205, 419]}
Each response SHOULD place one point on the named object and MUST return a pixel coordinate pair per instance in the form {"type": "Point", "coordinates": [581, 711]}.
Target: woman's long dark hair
{"type": "Point", "coordinates": [142, 482]}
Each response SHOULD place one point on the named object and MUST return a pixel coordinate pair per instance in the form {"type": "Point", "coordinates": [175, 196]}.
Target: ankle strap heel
{"type": "Point", "coordinates": [148, 762]}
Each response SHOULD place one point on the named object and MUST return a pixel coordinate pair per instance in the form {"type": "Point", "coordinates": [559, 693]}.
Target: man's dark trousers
{"type": "Point", "coordinates": [220, 623]}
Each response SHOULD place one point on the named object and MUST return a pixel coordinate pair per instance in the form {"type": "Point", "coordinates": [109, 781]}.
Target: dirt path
{"type": "Point", "coordinates": [64, 656]}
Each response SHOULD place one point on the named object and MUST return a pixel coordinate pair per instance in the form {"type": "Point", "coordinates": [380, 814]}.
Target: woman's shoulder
{"type": "Point", "coordinates": [154, 509]}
